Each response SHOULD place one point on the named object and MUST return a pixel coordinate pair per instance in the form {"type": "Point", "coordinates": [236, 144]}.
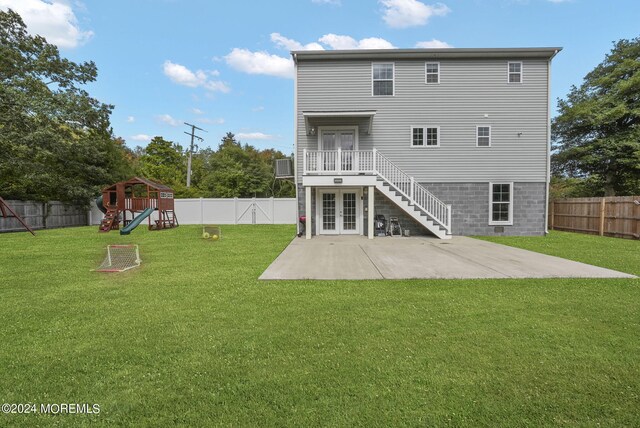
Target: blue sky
{"type": "Point", "coordinates": [225, 65]}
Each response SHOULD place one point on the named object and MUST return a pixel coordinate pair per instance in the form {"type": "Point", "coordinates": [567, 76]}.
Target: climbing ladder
{"type": "Point", "coordinates": [110, 220]}
{"type": "Point", "coordinates": [167, 220]}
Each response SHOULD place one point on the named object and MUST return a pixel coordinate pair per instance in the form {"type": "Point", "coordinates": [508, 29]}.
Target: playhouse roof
{"type": "Point", "coordinates": [139, 180]}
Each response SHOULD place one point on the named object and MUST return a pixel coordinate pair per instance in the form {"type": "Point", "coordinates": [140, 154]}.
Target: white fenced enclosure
{"type": "Point", "coordinates": [228, 211]}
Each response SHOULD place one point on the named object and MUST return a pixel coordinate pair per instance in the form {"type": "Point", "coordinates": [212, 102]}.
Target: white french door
{"type": "Point", "coordinates": [332, 140]}
{"type": "Point", "coordinates": [338, 211]}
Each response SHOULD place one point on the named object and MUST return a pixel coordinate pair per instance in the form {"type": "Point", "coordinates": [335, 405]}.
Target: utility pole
{"type": "Point", "coordinates": [192, 148]}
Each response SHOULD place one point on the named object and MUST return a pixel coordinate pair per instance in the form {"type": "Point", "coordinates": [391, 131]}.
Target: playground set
{"type": "Point", "coordinates": [4, 208]}
{"type": "Point", "coordinates": [131, 202]}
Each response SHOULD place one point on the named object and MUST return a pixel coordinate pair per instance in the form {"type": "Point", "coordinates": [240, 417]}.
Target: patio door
{"type": "Point", "coordinates": [332, 139]}
{"type": "Point", "coordinates": [338, 211]}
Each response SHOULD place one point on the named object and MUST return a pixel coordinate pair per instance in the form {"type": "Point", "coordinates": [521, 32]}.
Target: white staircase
{"type": "Point", "coordinates": [412, 197]}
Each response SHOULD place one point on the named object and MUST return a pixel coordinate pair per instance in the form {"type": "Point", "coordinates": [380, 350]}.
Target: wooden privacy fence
{"type": "Point", "coordinates": [43, 215]}
{"type": "Point", "coordinates": [617, 216]}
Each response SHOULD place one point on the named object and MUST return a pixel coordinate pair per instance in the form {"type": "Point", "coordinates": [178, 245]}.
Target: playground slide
{"type": "Point", "coordinates": [100, 205]}
{"type": "Point", "coordinates": [136, 221]}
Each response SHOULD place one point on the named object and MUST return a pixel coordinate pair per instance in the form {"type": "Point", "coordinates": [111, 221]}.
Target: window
{"type": "Point", "coordinates": [432, 72]}
{"type": "Point", "coordinates": [417, 137]}
{"type": "Point", "coordinates": [483, 136]}
{"type": "Point", "coordinates": [515, 72]}
{"type": "Point", "coordinates": [500, 203]}
{"type": "Point", "coordinates": [428, 136]}
{"type": "Point", "coordinates": [382, 77]}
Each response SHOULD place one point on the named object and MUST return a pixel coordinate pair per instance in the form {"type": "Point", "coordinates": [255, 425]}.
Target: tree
{"type": "Point", "coordinates": [596, 135]}
{"type": "Point", "coordinates": [163, 161]}
{"type": "Point", "coordinates": [55, 140]}
{"type": "Point", "coordinates": [236, 171]}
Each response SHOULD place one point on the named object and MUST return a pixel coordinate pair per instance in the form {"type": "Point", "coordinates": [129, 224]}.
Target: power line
{"type": "Point", "coordinates": [192, 148]}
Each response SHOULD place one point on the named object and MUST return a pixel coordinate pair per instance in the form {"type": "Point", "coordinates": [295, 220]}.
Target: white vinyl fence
{"type": "Point", "coordinates": [228, 211]}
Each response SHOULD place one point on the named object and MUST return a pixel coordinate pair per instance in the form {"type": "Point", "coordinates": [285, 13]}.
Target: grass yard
{"type": "Point", "coordinates": [193, 338]}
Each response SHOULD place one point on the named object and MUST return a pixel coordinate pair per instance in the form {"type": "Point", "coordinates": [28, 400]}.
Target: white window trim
{"type": "Point", "coordinates": [425, 73]}
{"type": "Point", "coordinates": [521, 72]}
{"type": "Point", "coordinates": [360, 208]}
{"type": "Point", "coordinates": [393, 78]}
{"type": "Point", "coordinates": [490, 136]}
{"type": "Point", "coordinates": [424, 133]}
{"type": "Point", "coordinates": [501, 223]}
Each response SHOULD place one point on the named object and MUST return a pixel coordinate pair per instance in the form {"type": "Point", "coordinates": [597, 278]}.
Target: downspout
{"type": "Point", "coordinates": [548, 171]}
{"type": "Point", "coordinates": [295, 137]}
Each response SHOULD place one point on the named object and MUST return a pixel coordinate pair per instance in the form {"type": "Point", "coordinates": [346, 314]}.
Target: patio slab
{"type": "Point", "coordinates": [355, 257]}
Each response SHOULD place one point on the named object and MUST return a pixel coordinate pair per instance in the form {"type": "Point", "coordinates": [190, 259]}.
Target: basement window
{"type": "Point", "coordinates": [500, 203]}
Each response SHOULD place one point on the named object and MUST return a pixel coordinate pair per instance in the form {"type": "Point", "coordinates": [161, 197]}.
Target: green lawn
{"type": "Point", "coordinates": [193, 338]}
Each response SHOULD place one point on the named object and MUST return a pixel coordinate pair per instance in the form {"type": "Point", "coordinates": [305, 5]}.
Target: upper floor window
{"type": "Point", "coordinates": [382, 74]}
{"type": "Point", "coordinates": [483, 136]}
{"type": "Point", "coordinates": [515, 72]}
{"type": "Point", "coordinates": [428, 136]}
{"type": "Point", "coordinates": [432, 72]}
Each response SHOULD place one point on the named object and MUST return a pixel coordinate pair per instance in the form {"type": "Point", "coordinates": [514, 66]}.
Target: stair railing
{"type": "Point", "coordinates": [416, 193]}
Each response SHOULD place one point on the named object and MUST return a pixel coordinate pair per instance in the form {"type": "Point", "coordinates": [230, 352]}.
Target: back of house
{"type": "Point", "coordinates": [445, 141]}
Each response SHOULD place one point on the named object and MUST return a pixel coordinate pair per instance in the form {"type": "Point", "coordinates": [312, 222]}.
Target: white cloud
{"type": "Point", "coordinates": [336, 41]}
{"type": "Point", "coordinates": [260, 63]}
{"type": "Point", "coordinates": [273, 65]}
{"type": "Point", "coordinates": [196, 111]}
{"type": "Point", "coordinates": [131, 119]}
{"type": "Point", "coordinates": [166, 118]}
{"type": "Point", "coordinates": [293, 45]}
{"type": "Point", "coordinates": [181, 75]}
{"type": "Point", "coordinates": [433, 44]}
{"type": "Point", "coordinates": [334, 2]}
{"type": "Point", "coordinates": [254, 136]}
{"type": "Point", "coordinates": [217, 121]}
{"type": "Point", "coordinates": [339, 42]}
{"type": "Point", "coordinates": [374, 43]}
{"type": "Point", "coordinates": [141, 137]}
{"type": "Point", "coordinates": [52, 19]}
{"type": "Point", "coordinates": [259, 108]}
{"type": "Point", "coordinates": [410, 13]}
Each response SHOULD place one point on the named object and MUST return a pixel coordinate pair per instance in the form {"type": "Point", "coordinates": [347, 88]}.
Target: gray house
{"type": "Point", "coordinates": [450, 141]}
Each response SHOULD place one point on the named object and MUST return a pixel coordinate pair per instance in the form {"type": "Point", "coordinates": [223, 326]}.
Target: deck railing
{"type": "Point", "coordinates": [372, 162]}
{"type": "Point", "coordinates": [332, 162]}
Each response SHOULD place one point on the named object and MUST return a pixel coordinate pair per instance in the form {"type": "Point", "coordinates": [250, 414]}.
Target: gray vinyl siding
{"type": "Point", "coordinates": [468, 89]}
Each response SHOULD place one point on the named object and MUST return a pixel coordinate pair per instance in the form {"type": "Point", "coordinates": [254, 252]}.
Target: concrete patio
{"type": "Point", "coordinates": [355, 257]}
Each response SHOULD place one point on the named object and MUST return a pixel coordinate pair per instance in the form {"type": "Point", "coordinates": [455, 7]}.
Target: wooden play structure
{"type": "Point", "coordinates": [7, 212]}
{"type": "Point", "coordinates": [131, 202]}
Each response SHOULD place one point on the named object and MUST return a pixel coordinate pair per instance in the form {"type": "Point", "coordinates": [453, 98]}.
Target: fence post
{"type": "Point", "coordinates": [602, 211]}
{"type": "Point", "coordinates": [375, 171]}
{"type": "Point", "coordinates": [553, 213]}
{"type": "Point", "coordinates": [273, 211]}
{"type": "Point", "coordinates": [235, 210]}
{"type": "Point", "coordinates": [411, 202]}
{"type": "Point", "coordinates": [304, 161]}
{"type": "Point", "coordinates": [253, 210]}
{"type": "Point", "coordinates": [201, 211]}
